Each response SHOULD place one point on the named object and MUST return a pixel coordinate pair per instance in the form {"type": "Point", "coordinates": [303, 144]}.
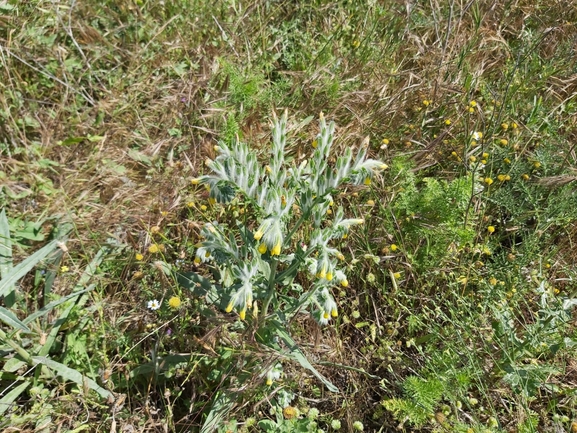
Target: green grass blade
{"type": "Point", "coordinates": [72, 375]}
{"type": "Point", "coordinates": [9, 318]}
{"type": "Point", "coordinates": [296, 354]}
{"type": "Point", "coordinates": [82, 282]}
{"type": "Point", "coordinates": [6, 255]}
{"type": "Point", "coordinates": [54, 304]}
{"type": "Point", "coordinates": [11, 397]}
{"type": "Point", "coordinates": [22, 268]}
{"type": "Point", "coordinates": [221, 406]}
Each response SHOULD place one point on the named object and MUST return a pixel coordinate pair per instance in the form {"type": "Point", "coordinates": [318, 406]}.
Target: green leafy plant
{"type": "Point", "coordinates": [290, 230]}
{"type": "Point", "coordinates": [27, 344]}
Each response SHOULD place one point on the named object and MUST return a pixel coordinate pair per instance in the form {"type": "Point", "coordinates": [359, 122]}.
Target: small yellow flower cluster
{"type": "Point", "coordinates": [503, 177]}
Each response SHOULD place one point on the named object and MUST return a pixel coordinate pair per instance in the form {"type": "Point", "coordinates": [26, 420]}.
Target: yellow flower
{"type": "Point", "coordinates": [345, 283]}
{"type": "Point", "coordinates": [329, 276]}
{"type": "Point", "coordinates": [488, 180]}
{"type": "Point", "coordinates": [228, 308]}
{"type": "Point", "coordinates": [64, 269]}
{"type": "Point", "coordinates": [325, 315]}
{"type": "Point", "coordinates": [262, 248]}
{"type": "Point", "coordinates": [203, 207]}
{"type": "Point", "coordinates": [211, 200]}
{"type": "Point", "coordinates": [507, 161]}
{"type": "Point", "coordinates": [268, 381]}
{"type": "Point", "coordinates": [356, 43]}
{"type": "Point", "coordinates": [242, 314]}
{"type": "Point", "coordinates": [503, 142]}
{"type": "Point", "coordinates": [322, 273]}
{"type": "Point", "coordinates": [505, 126]}
{"type": "Point", "coordinates": [447, 122]}
{"type": "Point", "coordinates": [514, 125]}
{"type": "Point", "coordinates": [397, 275]}
{"type": "Point", "coordinates": [174, 302]}
{"type": "Point", "coordinates": [536, 164]}
{"type": "Point", "coordinates": [472, 158]}
{"type": "Point", "coordinates": [426, 103]}
{"type": "Point", "coordinates": [153, 249]}
{"type": "Point", "coordinates": [370, 202]}
{"type": "Point", "coordinates": [195, 181]}
{"type": "Point", "coordinates": [289, 412]}
{"type": "Point", "coordinates": [334, 312]}
{"type": "Point", "coordinates": [197, 260]}
{"type": "Point", "coordinates": [473, 103]}
{"type": "Point", "coordinates": [190, 204]}
{"type": "Point", "coordinates": [268, 169]}
{"type": "Point", "coordinates": [258, 235]}
{"type": "Point", "coordinates": [491, 229]}
{"type": "Point", "coordinates": [501, 177]}
{"type": "Point", "coordinates": [340, 256]}
{"type": "Point", "coordinates": [485, 155]}
{"type": "Point", "coordinates": [275, 250]}
{"type": "Point", "coordinates": [525, 176]}
{"type": "Point", "coordinates": [492, 281]}
{"type": "Point", "coordinates": [314, 144]}
{"type": "Point", "coordinates": [393, 248]}
{"type": "Point", "coordinates": [471, 110]}
{"type": "Point", "coordinates": [385, 141]}
{"type": "Point", "coordinates": [367, 181]}
{"type": "Point", "coordinates": [138, 257]}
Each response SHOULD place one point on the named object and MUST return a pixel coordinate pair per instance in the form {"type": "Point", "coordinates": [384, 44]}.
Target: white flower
{"type": "Point", "coordinates": [153, 305]}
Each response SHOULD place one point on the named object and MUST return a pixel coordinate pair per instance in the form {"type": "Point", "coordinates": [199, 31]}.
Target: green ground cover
{"type": "Point", "coordinates": [288, 216]}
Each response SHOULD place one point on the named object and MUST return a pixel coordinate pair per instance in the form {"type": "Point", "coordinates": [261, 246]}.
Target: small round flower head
{"type": "Point", "coordinates": [290, 412]}
{"type": "Point", "coordinates": [153, 305]}
{"type": "Point", "coordinates": [153, 249]}
{"type": "Point", "coordinates": [358, 426]}
{"type": "Point", "coordinates": [335, 424]}
{"type": "Point", "coordinates": [174, 302]}
{"type": "Point", "coordinates": [138, 257]}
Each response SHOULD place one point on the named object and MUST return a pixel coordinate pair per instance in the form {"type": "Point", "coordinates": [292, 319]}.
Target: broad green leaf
{"type": "Point", "coordinates": [9, 318]}
{"type": "Point", "coordinates": [296, 354]}
{"type": "Point", "coordinates": [22, 268]}
{"type": "Point", "coordinates": [72, 375]}
{"type": "Point", "coordinates": [7, 401]}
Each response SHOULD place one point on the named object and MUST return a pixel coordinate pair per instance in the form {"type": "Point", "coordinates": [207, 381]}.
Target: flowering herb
{"type": "Point", "coordinates": [259, 265]}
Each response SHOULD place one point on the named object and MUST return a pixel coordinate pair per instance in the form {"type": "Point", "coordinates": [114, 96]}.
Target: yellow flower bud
{"type": "Point", "coordinates": [367, 181]}
{"type": "Point", "coordinates": [275, 250]}
{"type": "Point", "coordinates": [262, 248]}
{"type": "Point", "coordinates": [228, 308]}
{"type": "Point", "coordinates": [258, 235]}
{"type": "Point", "coordinates": [242, 314]}
{"type": "Point", "coordinates": [334, 312]}
{"type": "Point", "coordinates": [345, 283]}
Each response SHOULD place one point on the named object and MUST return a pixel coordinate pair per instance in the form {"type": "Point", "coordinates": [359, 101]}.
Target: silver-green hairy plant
{"type": "Point", "coordinates": [257, 268]}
